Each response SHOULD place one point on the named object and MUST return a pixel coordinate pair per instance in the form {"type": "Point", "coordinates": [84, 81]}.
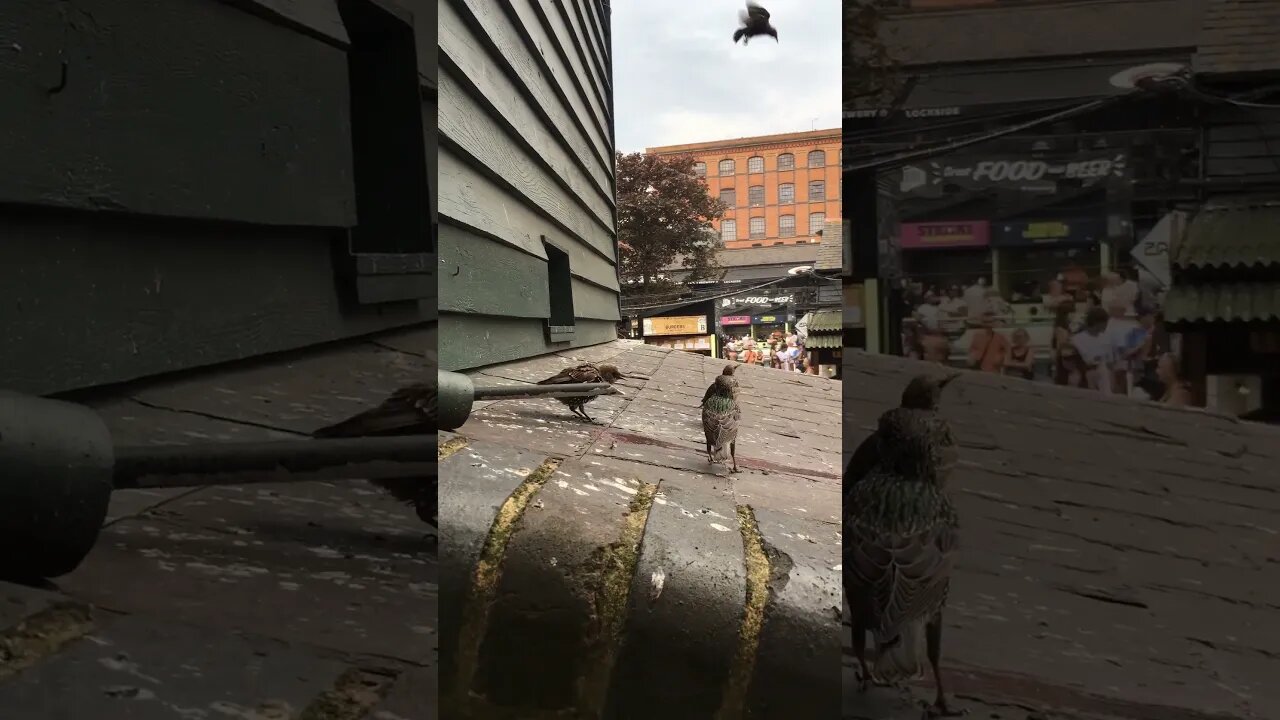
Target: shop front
{"type": "Point", "coordinates": [943, 258]}
{"type": "Point", "coordinates": [690, 333]}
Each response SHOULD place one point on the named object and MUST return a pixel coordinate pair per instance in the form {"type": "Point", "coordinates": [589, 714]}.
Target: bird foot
{"type": "Point", "coordinates": [939, 710]}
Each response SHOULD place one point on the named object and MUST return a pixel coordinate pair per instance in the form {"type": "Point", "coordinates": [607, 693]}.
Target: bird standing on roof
{"type": "Point", "coordinates": [923, 394]}
{"type": "Point", "coordinates": [900, 535]}
{"type": "Point", "coordinates": [720, 414]}
{"type": "Point", "coordinates": [755, 21]}
{"type": "Point", "coordinates": [410, 410]}
{"type": "Point", "coordinates": [728, 370]}
{"type": "Point", "coordinates": [584, 373]}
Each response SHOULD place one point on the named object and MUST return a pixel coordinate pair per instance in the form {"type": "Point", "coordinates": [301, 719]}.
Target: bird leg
{"type": "Point", "coordinates": [933, 639]}
{"type": "Point", "coordinates": [860, 652]}
{"type": "Point", "coordinates": [710, 461]}
{"type": "Point", "coordinates": [733, 455]}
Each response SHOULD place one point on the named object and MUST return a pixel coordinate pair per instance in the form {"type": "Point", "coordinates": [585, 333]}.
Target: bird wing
{"type": "Point", "coordinates": [899, 577]}
{"type": "Point", "coordinates": [864, 459]}
{"type": "Point", "coordinates": [721, 426]}
{"type": "Point", "coordinates": [410, 410]}
{"type": "Point", "coordinates": [584, 373]}
{"type": "Point", "coordinates": [756, 12]}
{"type": "Point", "coordinates": [707, 395]}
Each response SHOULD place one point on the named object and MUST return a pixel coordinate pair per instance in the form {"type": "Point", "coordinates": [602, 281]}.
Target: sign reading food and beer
{"type": "Point", "coordinates": [682, 325]}
{"type": "Point", "coordinates": [967, 233]}
{"type": "Point", "coordinates": [1011, 173]}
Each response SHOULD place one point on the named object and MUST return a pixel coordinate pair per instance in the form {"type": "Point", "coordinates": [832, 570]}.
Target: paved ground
{"type": "Point", "coordinates": [619, 571]}
{"type": "Point", "coordinates": [312, 601]}
{"type": "Point", "coordinates": [1119, 559]}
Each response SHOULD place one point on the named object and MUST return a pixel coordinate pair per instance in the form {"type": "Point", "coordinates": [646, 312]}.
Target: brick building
{"type": "Point", "coordinates": [781, 189]}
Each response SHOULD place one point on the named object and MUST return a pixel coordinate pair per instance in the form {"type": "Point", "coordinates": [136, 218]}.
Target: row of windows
{"type": "Point", "coordinates": [755, 226]}
{"type": "Point", "coordinates": [755, 164]}
{"type": "Point", "coordinates": [786, 194]}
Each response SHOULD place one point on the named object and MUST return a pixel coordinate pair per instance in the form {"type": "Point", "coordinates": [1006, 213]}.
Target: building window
{"type": "Point", "coordinates": [560, 291]}
{"type": "Point", "coordinates": [755, 164]}
{"type": "Point", "coordinates": [786, 161]}
{"type": "Point", "coordinates": [816, 222]}
{"type": "Point", "coordinates": [756, 226]}
{"type": "Point", "coordinates": [728, 230]}
{"type": "Point", "coordinates": [726, 167]}
{"type": "Point", "coordinates": [817, 159]}
{"type": "Point", "coordinates": [755, 196]}
{"type": "Point", "coordinates": [726, 197]}
{"type": "Point", "coordinates": [817, 191]}
{"type": "Point", "coordinates": [700, 169]}
{"type": "Point", "coordinates": [757, 244]}
{"type": "Point", "coordinates": [787, 226]}
{"type": "Point", "coordinates": [786, 194]}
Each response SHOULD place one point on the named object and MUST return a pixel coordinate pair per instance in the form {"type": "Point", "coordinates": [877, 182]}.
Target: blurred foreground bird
{"type": "Point", "coordinates": [720, 415]}
{"type": "Point", "coordinates": [755, 21]}
{"type": "Point", "coordinates": [728, 370]}
{"type": "Point", "coordinates": [900, 534]}
{"type": "Point", "coordinates": [584, 373]}
{"type": "Point", "coordinates": [411, 410]}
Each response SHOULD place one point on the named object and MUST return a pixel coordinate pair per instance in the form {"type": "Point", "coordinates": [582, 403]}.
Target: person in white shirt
{"type": "Point", "coordinates": [975, 298]}
{"type": "Point", "coordinates": [1097, 348]}
{"type": "Point", "coordinates": [930, 312]}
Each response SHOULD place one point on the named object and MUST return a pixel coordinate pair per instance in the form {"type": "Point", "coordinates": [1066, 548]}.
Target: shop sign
{"type": "Point", "coordinates": [767, 319]}
{"type": "Point", "coordinates": [735, 320]}
{"type": "Point", "coordinates": [968, 233]}
{"type": "Point", "coordinates": [686, 325]}
{"type": "Point", "coordinates": [1019, 174]}
{"type": "Point", "coordinates": [757, 300]}
{"type": "Point", "coordinates": [1050, 232]}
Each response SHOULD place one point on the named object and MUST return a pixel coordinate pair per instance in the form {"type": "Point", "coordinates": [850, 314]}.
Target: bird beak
{"type": "Point", "coordinates": [943, 382]}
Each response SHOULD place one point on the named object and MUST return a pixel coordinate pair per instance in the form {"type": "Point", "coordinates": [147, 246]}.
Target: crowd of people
{"type": "Point", "coordinates": [778, 351]}
{"type": "Point", "coordinates": [1107, 334]}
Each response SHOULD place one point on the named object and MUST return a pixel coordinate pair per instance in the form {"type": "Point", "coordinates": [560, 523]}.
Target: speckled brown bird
{"type": "Point", "coordinates": [410, 410]}
{"type": "Point", "coordinates": [584, 373]}
{"type": "Point", "coordinates": [900, 536]}
{"type": "Point", "coordinates": [923, 393]}
{"type": "Point", "coordinates": [720, 415]}
{"type": "Point", "coordinates": [728, 370]}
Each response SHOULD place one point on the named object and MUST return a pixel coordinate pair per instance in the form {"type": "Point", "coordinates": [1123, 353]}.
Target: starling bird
{"type": "Point", "coordinates": [922, 393]}
{"type": "Point", "coordinates": [720, 415]}
{"type": "Point", "coordinates": [584, 373]}
{"type": "Point", "coordinates": [901, 532]}
{"type": "Point", "coordinates": [728, 370]}
{"type": "Point", "coordinates": [755, 21]}
{"type": "Point", "coordinates": [410, 410]}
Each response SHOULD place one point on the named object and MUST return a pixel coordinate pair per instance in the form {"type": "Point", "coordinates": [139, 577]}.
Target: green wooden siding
{"type": "Point", "coordinates": [526, 154]}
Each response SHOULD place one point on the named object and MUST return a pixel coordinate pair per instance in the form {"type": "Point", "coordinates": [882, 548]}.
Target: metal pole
{"type": "Point", "coordinates": [373, 458]}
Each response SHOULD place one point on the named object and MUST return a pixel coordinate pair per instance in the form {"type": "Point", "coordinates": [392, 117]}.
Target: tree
{"type": "Point", "coordinates": [664, 218]}
{"type": "Point", "coordinates": [870, 70]}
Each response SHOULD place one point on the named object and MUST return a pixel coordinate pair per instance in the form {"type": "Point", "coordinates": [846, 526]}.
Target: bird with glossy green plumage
{"type": "Point", "coordinates": [720, 415]}
{"type": "Point", "coordinates": [900, 536]}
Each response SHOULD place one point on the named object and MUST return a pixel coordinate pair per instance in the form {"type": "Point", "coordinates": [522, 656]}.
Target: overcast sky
{"type": "Point", "coordinates": [679, 77]}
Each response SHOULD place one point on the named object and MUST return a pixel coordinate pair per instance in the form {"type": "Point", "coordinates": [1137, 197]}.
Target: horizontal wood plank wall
{"type": "Point", "coordinates": [174, 198]}
{"type": "Point", "coordinates": [1243, 145]}
{"type": "Point", "coordinates": [526, 153]}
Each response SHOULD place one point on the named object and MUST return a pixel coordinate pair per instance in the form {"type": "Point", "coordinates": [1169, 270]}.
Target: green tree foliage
{"type": "Point", "coordinates": [664, 218]}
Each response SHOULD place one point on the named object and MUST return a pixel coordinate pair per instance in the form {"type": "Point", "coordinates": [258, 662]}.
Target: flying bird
{"type": "Point", "coordinates": [584, 373]}
{"type": "Point", "coordinates": [728, 370]}
{"type": "Point", "coordinates": [410, 410]}
{"type": "Point", "coordinates": [755, 21]}
{"type": "Point", "coordinates": [720, 414]}
{"type": "Point", "coordinates": [900, 534]}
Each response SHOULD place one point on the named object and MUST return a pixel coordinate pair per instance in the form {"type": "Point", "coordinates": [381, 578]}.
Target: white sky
{"type": "Point", "coordinates": [679, 78]}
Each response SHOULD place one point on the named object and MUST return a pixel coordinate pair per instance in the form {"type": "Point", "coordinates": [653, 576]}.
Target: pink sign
{"type": "Point", "coordinates": [735, 320]}
{"type": "Point", "coordinates": [958, 233]}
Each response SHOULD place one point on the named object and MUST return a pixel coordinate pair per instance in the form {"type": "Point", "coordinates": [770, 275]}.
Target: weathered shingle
{"type": "Point", "coordinates": [831, 250]}
{"type": "Point", "coordinates": [1231, 233]}
{"type": "Point", "coordinates": [1240, 36]}
{"type": "Point", "coordinates": [1223, 302]}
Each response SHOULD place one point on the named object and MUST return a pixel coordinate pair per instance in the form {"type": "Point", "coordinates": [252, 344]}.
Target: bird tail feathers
{"type": "Point", "coordinates": [720, 453]}
{"type": "Point", "coordinates": [900, 658]}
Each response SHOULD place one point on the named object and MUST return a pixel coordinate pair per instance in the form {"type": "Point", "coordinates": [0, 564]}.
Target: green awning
{"type": "Point", "coordinates": [823, 342]}
{"type": "Point", "coordinates": [1223, 302]}
{"type": "Point", "coordinates": [1234, 234]}
{"type": "Point", "coordinates": [826, 321]}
